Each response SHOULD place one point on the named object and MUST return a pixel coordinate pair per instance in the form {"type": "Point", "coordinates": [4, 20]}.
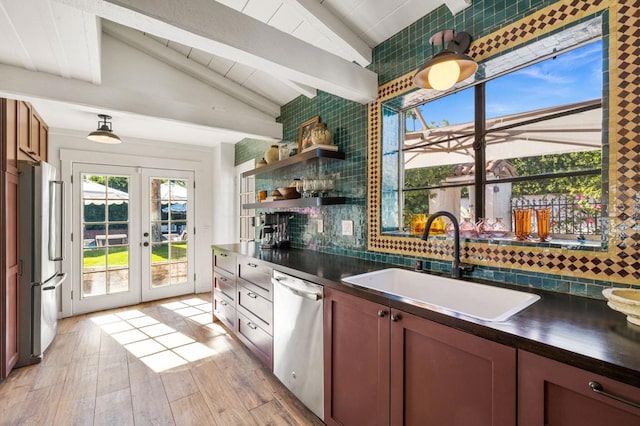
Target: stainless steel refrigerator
{"type": "Point", "coordinates": [40, 254]}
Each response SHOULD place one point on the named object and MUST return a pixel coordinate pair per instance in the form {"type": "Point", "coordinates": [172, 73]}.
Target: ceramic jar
{"type": "Point", "coordinates": [272, 154]}
{"type": "Point", "coordinates": [320, 135]}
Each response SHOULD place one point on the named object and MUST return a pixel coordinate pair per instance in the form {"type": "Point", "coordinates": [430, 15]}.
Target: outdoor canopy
{"type": "Point", "coordinates": [581, 131]}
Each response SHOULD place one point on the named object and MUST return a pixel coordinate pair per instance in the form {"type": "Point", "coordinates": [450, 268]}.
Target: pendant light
{"type": "Point", "coordinates": [450, 65]}
{"type": "Point", "coordinates": [104, 134]}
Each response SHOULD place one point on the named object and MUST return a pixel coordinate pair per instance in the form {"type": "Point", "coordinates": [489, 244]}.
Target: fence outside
{"type": "Point", "coordinates": [570, 214]}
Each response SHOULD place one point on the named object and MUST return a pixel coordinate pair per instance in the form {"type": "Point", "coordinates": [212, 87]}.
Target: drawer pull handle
{"type": "Point", "coordinates": [599, 389]}
{"type": "Point", "coordinates": [223, 279]}
{"type": "Point", "coordinates": [224, 254]}
{"type": "Point", "coordinates": [252, 295]}
{"type": "Point", "coordinates": [223, 303]}
{"type": "Point", "coordinates": [253, 265]}
{"type": "Point", "coordinates": [251, 326]}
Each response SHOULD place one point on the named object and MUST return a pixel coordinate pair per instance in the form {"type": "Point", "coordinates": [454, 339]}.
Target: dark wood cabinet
{"type": "Point", "coordinates": [223, 292]}
{"type": "Point", "coordinates": [9, 138]}
{"type": "Point", "coordinates": [384, 366]}
{"type": "Point", "coordinates": [32, 133]}
{"type": "Point", "coordinates": [557, 394]}
{"type": "Point", "coordinates": [444, 376]}
{"type": "Point", "coordinates": [242, 301]}
{"type": "Point", "coordinates": [356, 360]}
{"type": "Point", "coordinates": [255, 307]}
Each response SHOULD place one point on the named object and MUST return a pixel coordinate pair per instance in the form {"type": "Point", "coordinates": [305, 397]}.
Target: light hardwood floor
{"type": "Point", "coordinates": [157, 363]}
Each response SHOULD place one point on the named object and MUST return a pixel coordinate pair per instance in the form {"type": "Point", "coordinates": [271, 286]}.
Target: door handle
{"type": "Point", "coordinates": [58, 283]}
{"type": "Point", "coordinates": [53, 238]}
{"type": "Point", "coordinates": [599, 389]}
{"type": "Point", "coordinates": [395, 317]}
{"type": "Point", "coordinates": [301, 293]}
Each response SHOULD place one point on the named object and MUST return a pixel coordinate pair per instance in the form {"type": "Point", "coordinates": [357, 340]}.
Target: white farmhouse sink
{"type": "Point", "coordinates": [451, 296]}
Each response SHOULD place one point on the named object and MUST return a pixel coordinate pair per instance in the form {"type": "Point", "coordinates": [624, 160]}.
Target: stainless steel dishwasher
{"type": "Point", "coordinates": [298, 339]}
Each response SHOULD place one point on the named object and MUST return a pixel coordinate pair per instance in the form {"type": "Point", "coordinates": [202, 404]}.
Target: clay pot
{"type": "Point", "coordinates": [272, 154]}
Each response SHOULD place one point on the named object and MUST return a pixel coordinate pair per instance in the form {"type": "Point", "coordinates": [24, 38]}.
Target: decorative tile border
{"type": "Point", "coordinates": [621, 262]}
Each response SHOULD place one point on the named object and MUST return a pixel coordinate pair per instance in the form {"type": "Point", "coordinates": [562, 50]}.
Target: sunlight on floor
{"type": "Point", "coordinates": [156, 344]}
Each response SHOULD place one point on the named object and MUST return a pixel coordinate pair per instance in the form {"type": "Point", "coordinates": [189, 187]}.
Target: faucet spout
{"type": "Point", "coordinates": [457, 267]}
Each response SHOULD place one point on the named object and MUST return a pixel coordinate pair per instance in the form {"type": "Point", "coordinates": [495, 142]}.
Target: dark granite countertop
{"type": "Point", "coordinates": [575, 330]}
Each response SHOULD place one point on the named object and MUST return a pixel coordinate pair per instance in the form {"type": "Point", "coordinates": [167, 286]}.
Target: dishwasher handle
{"type": "Point", "coordinates": [306, 294]}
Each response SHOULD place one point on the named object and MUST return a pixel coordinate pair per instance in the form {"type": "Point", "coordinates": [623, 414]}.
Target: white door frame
{"type": "Point", "coordinates": [70, 156]}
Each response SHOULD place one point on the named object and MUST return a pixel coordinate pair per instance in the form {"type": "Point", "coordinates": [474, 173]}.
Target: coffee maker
{"type": "Point", "coordinates": [273, 230]}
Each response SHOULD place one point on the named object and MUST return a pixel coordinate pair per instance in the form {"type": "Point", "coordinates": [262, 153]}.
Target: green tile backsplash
{"type": "Point", "coordinates": [347, 121]}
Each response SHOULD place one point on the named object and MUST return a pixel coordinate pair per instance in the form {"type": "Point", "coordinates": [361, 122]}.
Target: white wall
{"type": "Point", "coordinates": [225, 195]}
{"type": "Point", "coordinates": [209, 165]}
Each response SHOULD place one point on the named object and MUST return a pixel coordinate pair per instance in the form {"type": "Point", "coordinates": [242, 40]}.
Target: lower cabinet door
{"type": "Point", "coordinates": [356, 365]}
{"type": "Point", "coordinates": [557, 394]}
{"type": "Point", "coordinates": [442, 376]}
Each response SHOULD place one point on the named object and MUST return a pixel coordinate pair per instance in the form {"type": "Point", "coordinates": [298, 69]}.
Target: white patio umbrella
{"type": "Point", "coordinates": [174, 192]}
{"type": "Point", "coordinates": [96, 193]}
{"type": "Point", "coordinates": [571, 133]}
{"type": "Point", "coordinates": [171, 190]}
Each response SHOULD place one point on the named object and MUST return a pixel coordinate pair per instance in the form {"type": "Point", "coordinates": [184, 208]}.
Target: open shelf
{"type": "Point", "coordinates": [296, 159]}
{"type": "Point", "coordinates": [296, 202]}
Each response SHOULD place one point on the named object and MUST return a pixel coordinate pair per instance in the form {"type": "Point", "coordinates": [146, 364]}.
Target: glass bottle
{"type": "Point", "coordinates": [499, 228]}
{"type": "Point", "coordinates": [485, 229]}
{"type": "Point", "coordinates": [468, 229]}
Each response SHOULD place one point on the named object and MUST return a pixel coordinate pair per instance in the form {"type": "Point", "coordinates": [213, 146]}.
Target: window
{"type": "Point", "coordinates": [535, 134]}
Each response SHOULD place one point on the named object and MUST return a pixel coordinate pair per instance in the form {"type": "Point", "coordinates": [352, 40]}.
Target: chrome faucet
{"type": "Point", "coordinates": [457, 267]}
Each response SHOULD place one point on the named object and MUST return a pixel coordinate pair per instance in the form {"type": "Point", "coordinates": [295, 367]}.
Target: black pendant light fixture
{"type": "Point", "coordinates": [104, 134]}
{"type": "Point", "coordinates": [448, 66]}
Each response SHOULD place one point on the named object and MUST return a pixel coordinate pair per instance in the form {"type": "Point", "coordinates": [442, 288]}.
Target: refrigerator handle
{"type": "Point", "coordinates": [56, 240]}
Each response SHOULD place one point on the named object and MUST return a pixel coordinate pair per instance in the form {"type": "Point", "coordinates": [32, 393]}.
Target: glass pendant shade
{"type": "Point", "coordinates": [449, 66]}
{"type": "Point", "coordinates": [104, 134]}
{"type": "Point", "coordinates": [443, 75]}
{"type": "Point", "coordinates": [444, 70]}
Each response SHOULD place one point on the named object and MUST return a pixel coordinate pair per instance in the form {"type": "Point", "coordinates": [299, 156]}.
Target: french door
{"type": "Point", "coordinates": [133, 235]}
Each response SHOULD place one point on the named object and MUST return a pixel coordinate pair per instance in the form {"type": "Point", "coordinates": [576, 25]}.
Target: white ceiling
{"type": "Point", "coordinates": [194, 71]}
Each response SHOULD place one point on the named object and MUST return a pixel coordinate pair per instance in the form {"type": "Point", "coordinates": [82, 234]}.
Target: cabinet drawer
{"type": "Point", "coordinates": [225, 283]}
{"type": "Point", "coordinates": [256, 339]}
{"type": "Point", "coordinates": [255, 273]}
{"type": "Point", "coordinates": [224, 310]}
{"type": "Point", "coordinates": [256, 307]}
{"type": "Point", "coordinates": [225, 260]}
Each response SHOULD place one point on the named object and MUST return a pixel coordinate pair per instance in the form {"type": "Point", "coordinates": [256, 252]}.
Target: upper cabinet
{"type": "Point", "coordinates": [32, 133]}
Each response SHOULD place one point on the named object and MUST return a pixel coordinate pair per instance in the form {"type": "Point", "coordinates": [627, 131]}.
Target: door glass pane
{"type": "Point", "coordinates": [168, 216]}
{"type": "Point", "coordinates": [105, 226]}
